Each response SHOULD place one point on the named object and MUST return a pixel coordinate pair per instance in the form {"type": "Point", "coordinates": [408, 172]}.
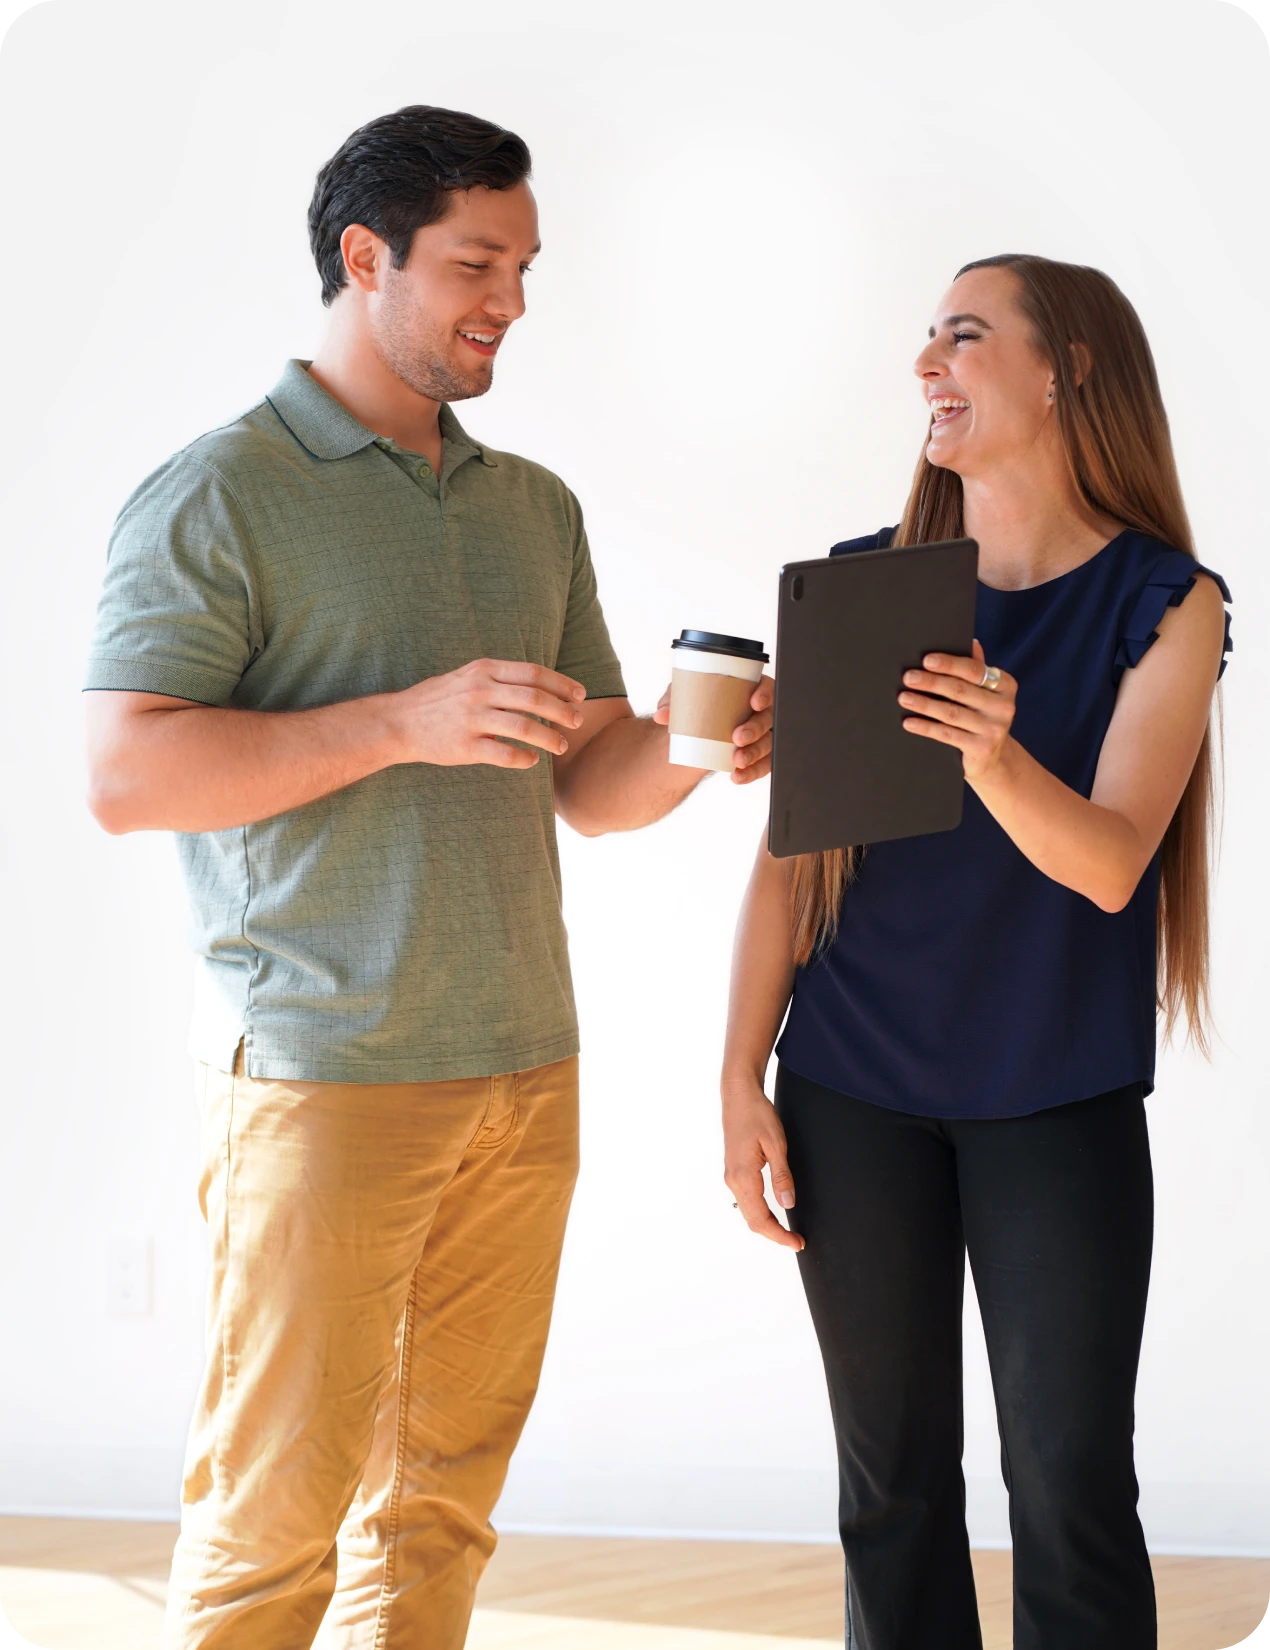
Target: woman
{"type": "Point", "coordinates": [972, 1027]}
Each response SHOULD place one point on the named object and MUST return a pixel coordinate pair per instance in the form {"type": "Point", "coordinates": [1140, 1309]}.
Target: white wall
{"type": "Point", "coordinates": [746, 226]}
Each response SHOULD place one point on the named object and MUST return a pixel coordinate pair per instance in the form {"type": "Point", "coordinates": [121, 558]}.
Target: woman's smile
{"type": "Point", "coordinates": [945, 408]}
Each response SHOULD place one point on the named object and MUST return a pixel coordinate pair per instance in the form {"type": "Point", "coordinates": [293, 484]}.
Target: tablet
{"type": "Point", "coordinates": [844, 771]}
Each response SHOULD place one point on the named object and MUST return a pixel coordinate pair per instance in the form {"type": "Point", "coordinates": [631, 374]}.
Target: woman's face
{"type": "Point", "coordinates": [989, 391]}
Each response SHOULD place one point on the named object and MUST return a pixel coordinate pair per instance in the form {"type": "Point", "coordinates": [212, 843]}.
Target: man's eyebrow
{"type": "Point", "coordinates": [956, 320]}
{"type": "Point", "coordinates": [494, 246]}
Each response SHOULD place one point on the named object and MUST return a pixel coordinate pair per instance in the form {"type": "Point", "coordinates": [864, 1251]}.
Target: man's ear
{"type": "Point", "coordinates": [365, 256]}
{"type": "Point", "coordinates": [1082, 361]}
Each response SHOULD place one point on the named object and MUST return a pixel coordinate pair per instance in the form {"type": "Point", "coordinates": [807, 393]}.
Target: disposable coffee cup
{"type": "Point", "coordinates": [711, 682]}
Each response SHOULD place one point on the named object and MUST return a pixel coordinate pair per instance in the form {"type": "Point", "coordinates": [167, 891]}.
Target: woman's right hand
{"type": "Point", "coordinates": [753, 1137]}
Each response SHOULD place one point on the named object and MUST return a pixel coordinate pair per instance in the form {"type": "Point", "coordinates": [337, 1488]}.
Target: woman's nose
{"type": "Point", "coordinates": [927, 364]}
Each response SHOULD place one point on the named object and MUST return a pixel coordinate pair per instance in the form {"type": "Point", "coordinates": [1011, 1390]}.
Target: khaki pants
{"type": "Point", "coordinates": [384, 1258]}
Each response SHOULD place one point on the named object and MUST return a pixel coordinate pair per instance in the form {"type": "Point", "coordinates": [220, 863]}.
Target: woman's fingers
{"type": "Point", "coordinates": [926, 729]}
{"type": "Point", "coordinates": [956, 687]}
{"type": "Point", "coordinates": [746, 1186]}
{"type": "Point", "coordinates": [955, 664]}
{"type": "Point", "coordinates": [778, 1169]}
{"type": "Point", "coordinates": [949, 703]}
{"type": "Point", "coordinates": [940, 710]}
{"type": "Point", "coordinates": [753, 1139]}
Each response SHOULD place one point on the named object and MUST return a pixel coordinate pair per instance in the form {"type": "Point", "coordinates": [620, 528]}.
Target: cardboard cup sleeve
{"type": "Point", "coordinates": [709, 698]}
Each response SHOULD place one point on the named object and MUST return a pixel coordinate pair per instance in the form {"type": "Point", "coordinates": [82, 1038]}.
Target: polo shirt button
{"type": "Point", "coordinates": [425, 469]}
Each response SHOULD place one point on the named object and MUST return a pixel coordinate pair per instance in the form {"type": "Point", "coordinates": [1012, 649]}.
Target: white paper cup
{"type": "Point", "coordinates": [712, 679]}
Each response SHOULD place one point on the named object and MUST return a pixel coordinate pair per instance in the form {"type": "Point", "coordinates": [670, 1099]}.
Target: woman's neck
{"type": "Point", "coordinates": [1031, 529]}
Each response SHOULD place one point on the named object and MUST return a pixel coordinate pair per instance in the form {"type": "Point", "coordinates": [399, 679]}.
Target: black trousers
{"type": "Point", "coordinates": [1055, 1211]}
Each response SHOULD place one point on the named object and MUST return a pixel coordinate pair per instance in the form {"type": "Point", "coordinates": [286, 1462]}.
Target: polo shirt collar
{"type": "Point", "coordinates": [457, 436]}
{"type": "Point", "coordinates": [328, 430]}
{"type": "Point", "coordinates": [318, 422]}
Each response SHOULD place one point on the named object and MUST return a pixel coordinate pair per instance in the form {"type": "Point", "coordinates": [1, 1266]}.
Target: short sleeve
{"type": "Point", "coordinates": [586, 653]}
{"type": "Point", "coordinates": [881, 540]}
{"type": "Point", "coordinates": [179, 610]}
{"type": "Point", "coordinates": [1170, 579]}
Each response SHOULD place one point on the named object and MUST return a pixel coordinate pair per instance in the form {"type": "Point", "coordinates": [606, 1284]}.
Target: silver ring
{"type": "Point", "coordinates": [991, 678]}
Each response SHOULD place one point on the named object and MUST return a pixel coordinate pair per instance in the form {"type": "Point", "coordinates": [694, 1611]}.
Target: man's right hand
{"type": "Point", "coordinates": [158, 763]}
{"type": "Point", "coordinates": [466, 715]}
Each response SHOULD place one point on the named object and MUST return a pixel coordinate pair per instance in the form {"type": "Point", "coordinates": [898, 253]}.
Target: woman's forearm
{"type": "Point", "coordinates": [762, 975]}
{"type": "Point", "coordinates": [1100, 845]}
{"type": "Point", "coordinates": [1093, 850]}
{"type": "Point", "coordinates": [762, 980]}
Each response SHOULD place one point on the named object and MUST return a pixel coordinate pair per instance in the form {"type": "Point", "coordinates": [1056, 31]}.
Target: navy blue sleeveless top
{"type": "Point", "coordinates": [963, 982]}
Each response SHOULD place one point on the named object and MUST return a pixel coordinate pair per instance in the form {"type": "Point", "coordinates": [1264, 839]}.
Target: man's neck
{"type": "Point", "coordinates": [350, 369]}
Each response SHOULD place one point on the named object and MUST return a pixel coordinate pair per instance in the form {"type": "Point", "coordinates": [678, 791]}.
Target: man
{"type": "Point", "coordinates": [355, 658]}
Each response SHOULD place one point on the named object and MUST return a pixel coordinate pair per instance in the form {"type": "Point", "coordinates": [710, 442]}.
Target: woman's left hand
{"type": "Point", "coordinates": [974, 718]}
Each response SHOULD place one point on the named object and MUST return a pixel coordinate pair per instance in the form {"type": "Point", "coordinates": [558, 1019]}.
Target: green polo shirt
{"type": "Point", "coordinates": [407, 928]}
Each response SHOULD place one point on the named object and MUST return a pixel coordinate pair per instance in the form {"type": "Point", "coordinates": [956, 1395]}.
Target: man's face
{"type": "Point", "coordinates": [439, 321]}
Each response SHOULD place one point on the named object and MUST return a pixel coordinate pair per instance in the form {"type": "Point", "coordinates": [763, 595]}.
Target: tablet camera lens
{"type": "Point", "coordinates": [796, 589]}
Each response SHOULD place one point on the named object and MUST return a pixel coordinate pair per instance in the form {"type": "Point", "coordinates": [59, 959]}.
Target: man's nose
{"type": "Point", "coordinates": [506, 298]}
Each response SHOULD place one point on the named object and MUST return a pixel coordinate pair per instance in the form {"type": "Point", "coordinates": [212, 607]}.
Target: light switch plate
{"type": "Point", "coordinates": [128, 1277]}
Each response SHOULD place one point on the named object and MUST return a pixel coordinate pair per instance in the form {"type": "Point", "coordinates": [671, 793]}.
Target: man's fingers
{"type": "Point", "coordinates": [751, 762]}
{"type": "Point", "coordinates": [507, 725]}
{"type": "Point", "coordinates": [755, 726]}
{"type": "Point", "coordinates": [521, 673]}
{"type": "Point", "coordinates": [747, 776]}
{"type": "Point", "coordinates": [746, 756]}
{"type": "Point", "coordinates": [498, 755]}
{"type": "Point", "coordinates": [534, 702]}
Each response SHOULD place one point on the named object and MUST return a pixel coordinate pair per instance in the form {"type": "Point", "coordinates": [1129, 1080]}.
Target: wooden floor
{"type": "Point", "coordinates": [86, 1585]}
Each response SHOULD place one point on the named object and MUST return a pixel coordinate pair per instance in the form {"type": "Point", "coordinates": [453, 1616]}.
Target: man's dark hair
{"type": "Point", "coordinates": [396, 174]}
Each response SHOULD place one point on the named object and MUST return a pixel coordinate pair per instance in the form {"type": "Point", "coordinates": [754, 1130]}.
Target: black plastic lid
{"type": "Point", "coordinates": [707, 641]}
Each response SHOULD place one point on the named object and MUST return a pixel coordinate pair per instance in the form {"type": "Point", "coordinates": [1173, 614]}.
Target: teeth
{"type": "Point", "coordinates": [480, 337]}
{"type": "Point", "coordinates": [945, 403]}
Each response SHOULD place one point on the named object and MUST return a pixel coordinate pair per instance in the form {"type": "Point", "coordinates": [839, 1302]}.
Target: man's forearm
{"type": "Point", "coordinates": [623, 779]}
{"type": "Point", "coordinates": [163, 764]}
{"type": "Point", "coordinates": [185, 767]}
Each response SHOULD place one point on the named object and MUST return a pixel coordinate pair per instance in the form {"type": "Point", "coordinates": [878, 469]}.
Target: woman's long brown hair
{"type": "Point", "coordinates": [1115, 434]}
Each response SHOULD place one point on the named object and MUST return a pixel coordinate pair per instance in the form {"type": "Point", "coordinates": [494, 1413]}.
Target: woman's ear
{"type": "Point", "coordinates": [1082, 361]}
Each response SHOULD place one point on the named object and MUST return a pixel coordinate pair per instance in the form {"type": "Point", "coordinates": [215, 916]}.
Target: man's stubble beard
{"type": "Point", "coordinates": [416, 349]}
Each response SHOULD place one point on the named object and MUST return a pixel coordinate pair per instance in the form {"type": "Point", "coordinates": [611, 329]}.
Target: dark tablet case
{"type": "Point", "coordinates": [844, 770]}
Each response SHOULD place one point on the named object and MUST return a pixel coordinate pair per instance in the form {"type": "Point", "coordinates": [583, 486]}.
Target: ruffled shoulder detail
{"type": "Point", "coordinates": [880, 540]}
{"type": "Point", "coordinates": [1170, 579]}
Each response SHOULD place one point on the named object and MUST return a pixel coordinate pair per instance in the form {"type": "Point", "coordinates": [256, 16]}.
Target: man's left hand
{"type": "Point", "coordinates": [752, 756]}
